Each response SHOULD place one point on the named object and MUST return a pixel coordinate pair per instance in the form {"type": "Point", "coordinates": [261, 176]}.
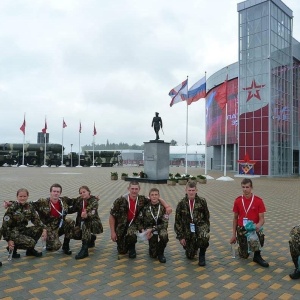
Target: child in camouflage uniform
{"type": "Point", "coordinates": [15, 229]}
{"type": "Point", "coordinates": [53, 212]}
{"type": "Point", "coordinates": [154, 219]}
{"type": "Point", "coordinates": [88, 222]}
{"type": "Point", "coordinates": [294, 243]}
{"type": "Point", "coordinates": [122, 217]}
{"type": "Point", "coordinates": [192, 225]}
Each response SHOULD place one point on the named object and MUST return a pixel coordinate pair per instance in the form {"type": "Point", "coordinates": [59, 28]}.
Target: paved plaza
{"type": "Point", "coordinates": [107, 275]}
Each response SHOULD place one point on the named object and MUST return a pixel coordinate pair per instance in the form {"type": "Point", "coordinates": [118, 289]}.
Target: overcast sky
{"type": "Point", "coordinates": [112, 63]}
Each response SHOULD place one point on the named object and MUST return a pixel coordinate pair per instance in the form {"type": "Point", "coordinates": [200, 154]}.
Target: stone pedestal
{"type": "Point", "coordinates": [157, 160]}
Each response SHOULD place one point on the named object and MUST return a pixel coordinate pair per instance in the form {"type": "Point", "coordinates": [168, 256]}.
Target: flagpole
{"type": "Point", "coordinates": [224, 177]}
{"type": "Point", "coordinates": [79, 152]}
{"type": "Point", "coordinates": [62, 144]}
{"type": "Point", "coordinates": [94, 133]}
{"type": "Point", "coordinates": [225, 150]}
{"type": "Point", "coordinates": [23, 153]}
{"type": "Point", "coordinates": [186, 132]}
{"type": "Point", "coordinates": [205, 142]}
{"type": "Point", "coordinates": [45, 149]}
{"type": "Point", "coordinates": [45, 140]}
{"type": "Point", "coordinates": [79, 146]}
{"type": "Point", "coordinates": [93, 150]}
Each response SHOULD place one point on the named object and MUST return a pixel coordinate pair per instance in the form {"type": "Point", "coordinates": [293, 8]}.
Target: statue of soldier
{"type": "Point", "coordinates": [157, 124]}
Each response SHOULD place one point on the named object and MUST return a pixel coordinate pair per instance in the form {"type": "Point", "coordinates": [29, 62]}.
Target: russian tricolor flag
{"type": "Point", "coordinates": [197, 91]}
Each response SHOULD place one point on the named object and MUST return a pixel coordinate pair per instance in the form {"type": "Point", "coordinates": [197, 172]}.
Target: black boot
{"type": "Point", "coordinates": [84, 251]}
{"type": "Point", "coordinates": [15, 254]}
{"type": "Point", "coordinates": [33, 252]}
{"type": "Point", "coordinates": [258, 259]}
{"type": "Point", "coordinates": [202, 261]}
{"type": "Point", "coordinates": [161, 257]}
{"type": "Point", "coordinates": [296, 273]}
{"type": "Point", "coordinates": [131, 251]}
{"type": "Point", "coordinates": [92, 241]}
{"type": "Point", "coordinates": [66, 246]}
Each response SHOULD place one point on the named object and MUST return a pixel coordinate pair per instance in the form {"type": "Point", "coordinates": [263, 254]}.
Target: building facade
{"type": "Point", "coordinates": [263, 87]}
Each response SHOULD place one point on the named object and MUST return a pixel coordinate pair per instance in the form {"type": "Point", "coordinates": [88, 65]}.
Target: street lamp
{"type": "Point", "coordinates": [71, 156]}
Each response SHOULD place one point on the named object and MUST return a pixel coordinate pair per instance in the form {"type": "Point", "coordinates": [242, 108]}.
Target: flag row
{"type": "Point", "coordinates": [181, 92]}
{"type": "Point", "coordinates": [64, 125]}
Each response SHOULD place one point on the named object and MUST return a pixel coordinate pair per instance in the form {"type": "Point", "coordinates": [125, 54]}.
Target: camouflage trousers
{"type": "Point", "coordinates": [53, 233]}
{"type": "Point", "coordinates": [125, 236]}
{"type": "Point", "coordinates": [85, 230]}
{"type": "Point", "coordinates": [158, 243]}
{"type": "Point", "coordinates": [26, 238]}
{"type": "Point", "coordinates": [294, 243]}
{"type": "Point", "coordinates": [243, 243]}
{"type": "Point", "coordinates": [194, 242]}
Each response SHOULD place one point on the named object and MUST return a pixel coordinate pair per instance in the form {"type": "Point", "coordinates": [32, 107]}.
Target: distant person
{"type": "Point", "coordinates": [122, 218]}
{"type": "Point", "coordinates": [246, 208]}
{"type": "Point", "coordinates": [153, 221]}
{"type": "Point", "coordinates": [192, 225]}
{"type": "Point", "coordinates": [157, 124]}
{"type": "Point", "coordinates": [15, 229]}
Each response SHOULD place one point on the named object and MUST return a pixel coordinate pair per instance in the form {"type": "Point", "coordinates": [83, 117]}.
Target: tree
{"type": "Point", "coordinates": [173, 143]}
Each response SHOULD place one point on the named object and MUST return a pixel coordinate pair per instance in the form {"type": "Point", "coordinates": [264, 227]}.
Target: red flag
{"type": "Point", "coordinates": [22, 128]}
{"type": "Point", "coordinates": [80, 127]}
{"type": "Point", "coordinates": [44, 130]}
{"type": "Point", "coordinates": [221, 94]}
{"type": "Point", "coordinates": [95, 131]}
{"type": "Point", "coordinates": [64, 124]}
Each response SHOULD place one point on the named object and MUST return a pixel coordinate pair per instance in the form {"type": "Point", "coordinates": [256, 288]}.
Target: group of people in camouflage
{"type": "Point", "coordinates": [49, 220]}
{"type": "Point", "coordinates": [134, 216]}
{"type": "Point", "coordinates": [149, 216]}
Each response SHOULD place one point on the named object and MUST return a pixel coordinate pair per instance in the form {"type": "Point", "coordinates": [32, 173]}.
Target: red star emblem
{"type": "Point", "coordinates": [253, 90]}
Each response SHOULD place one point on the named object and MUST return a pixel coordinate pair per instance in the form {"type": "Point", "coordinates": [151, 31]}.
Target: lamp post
{"type": "Point", "coordinates": [71, 156]}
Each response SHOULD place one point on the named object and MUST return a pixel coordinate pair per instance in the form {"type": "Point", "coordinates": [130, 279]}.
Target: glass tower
{"type": "Point", "coordinates": [266, 86]}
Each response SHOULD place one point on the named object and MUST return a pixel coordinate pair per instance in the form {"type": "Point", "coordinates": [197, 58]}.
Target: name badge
{"type": "Point", "coordinates": [155, 232]}
{"type": "Point", "coordinates": [192, 227]}
{"type": "Point", "coordinates": [245, 221]}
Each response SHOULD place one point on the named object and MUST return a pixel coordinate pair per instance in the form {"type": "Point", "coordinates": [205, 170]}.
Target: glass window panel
{"type": "Point", "coordinates": [273, 24]}
{"type": "Point", "coordinates": [265, 37]}
{"type": "Point", "coordinates": [257, 25]}
{"type": "Point", "coordinates": [264, 23]}
{"type": "Point", "coordinates": [257, 40]}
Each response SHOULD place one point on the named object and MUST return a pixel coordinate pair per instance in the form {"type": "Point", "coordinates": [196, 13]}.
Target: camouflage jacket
{"type": "Point", "coordinates": [183, 217]}
{"type": "Point", "coordinates": [43, 207]}
{"type": "Point", "coordinates": [17, 217]}
{"type": "Point", "coordinates": [91, 207]}
{"type": "Point", "coordinates": [146, 217]}
{"type": "Point", "coordinates": [120, 209]}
